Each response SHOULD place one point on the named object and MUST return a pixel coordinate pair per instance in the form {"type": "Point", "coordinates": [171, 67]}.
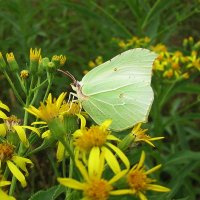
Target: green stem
{"type": "Point", "coordinates": [68, 190]}
{"type": "Point", "coordinates": [35, 92]}
{"type": "Point", "coordinates": [14, 89]}
{"type": "Point", "coordinates": [50, 80]}
{"type": "Point", "coordinates": [21, 83]}
{"type": "Point", "coordinates": [64, 167]}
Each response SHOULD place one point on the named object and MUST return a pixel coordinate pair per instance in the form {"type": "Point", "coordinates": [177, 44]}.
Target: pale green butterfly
{"type": "Point", "coordinates": [118, 89]}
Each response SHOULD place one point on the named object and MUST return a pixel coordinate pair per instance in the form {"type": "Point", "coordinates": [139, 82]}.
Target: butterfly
{"type": "Point", "coordinates": [119, 89]}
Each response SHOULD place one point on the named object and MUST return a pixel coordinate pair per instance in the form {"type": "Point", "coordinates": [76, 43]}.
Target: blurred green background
{"type": "Point", "coordinates": [83, 30]}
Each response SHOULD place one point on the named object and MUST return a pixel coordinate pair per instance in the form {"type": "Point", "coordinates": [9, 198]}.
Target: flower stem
{"type": "Point", "coordinates": [14, 89]}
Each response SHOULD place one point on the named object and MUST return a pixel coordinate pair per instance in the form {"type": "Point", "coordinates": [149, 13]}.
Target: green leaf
{"type": "Point", "coordinates": [183, 157]}
{"type": "Point", "coordinates": [50, 194]}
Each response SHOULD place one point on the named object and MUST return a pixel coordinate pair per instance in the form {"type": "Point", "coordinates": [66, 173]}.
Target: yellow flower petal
{"type": "Point", "coordinates": [112, 137]}
{"type": "Point", "coordinates": [17, 173]}
{"type": "Point", "coordinates": [4, 183]}
{"type": "Point", "coordinates": [118, 176]}
{"type": "Point", "coordinates": [153, 169]}
{"type": "Point", "coordinates": [142, 196]}
{"type": "Point", "coordinates": [104, 126]}
{"type": "Point", "coordinates": [21, 163]}
{"type": "Point", "coordinates": [4, 196]}
{"type": "Point", "coordinates": [94, 161]}
{"type": "Point", "coordinates": [111, 160]}
{"type": "Point", "coordinates": [2, 130]}
{"type": "Point", "coordinates": [60, 152]}
{"type": "Point", "coordinates": [46, 134]}
{"type": "Point", "coordinates": [142, 158]}
{"type": "Point", "coordinates": [4, 106]}
{"type": "Point", "coordinates": [33, 111]}
{"type": "Point", "coordinates": [121, 155]}
{"type": "Point", "coordinates": [121, 192]}
{"type": "Point", "coordinates": [60, 99]}
{"type": "Point", "coordinates": [83, 170]}
{"type": "Point", "coordinates": [38, 123]}
{"type": "Point", "coordinates": [32, 129]}
{"type": "Point", "coordinates": [83, 121]}
{"type": "Point", "coordinates": [21, 133]}
{"type": "Point", "coordinates": [3, 115]}
{"type": "Point", "coordinates": [157, 188]}
{"type": "Point", "coordinates": [69, 182]}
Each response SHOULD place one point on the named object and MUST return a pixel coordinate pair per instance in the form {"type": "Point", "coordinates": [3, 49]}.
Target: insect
{"type": "Point", "coordinates": [119, 89]}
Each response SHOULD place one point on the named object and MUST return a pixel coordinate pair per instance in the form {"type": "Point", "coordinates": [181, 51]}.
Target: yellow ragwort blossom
{"type": "Point", "coordinates": [139, 182]}
{"type": "Point", "coordinates": [85, 139]}
{"type": "Point", "coordinates": [14, 162]}
{"type": "Point", "coordinates": [35, 54]}
{"type": "Point", "coordinates": [24, 74]}
{"type": "Point", "coordinates": [141, 136]}
{"type": "Point", "coordinates": [54, 108]}
{"type": "Point", "coordinates": [93, 185]}
{"type": "Point", "coordinates": [12, 124]}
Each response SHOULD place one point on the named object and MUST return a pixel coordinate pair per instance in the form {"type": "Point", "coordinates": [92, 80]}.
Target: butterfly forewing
{"type": "Point", "coordinates": [120, 89]}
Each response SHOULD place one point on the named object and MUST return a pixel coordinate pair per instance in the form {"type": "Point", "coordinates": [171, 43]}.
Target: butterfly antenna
{"type": "Point", "coordinates": [68, 74]}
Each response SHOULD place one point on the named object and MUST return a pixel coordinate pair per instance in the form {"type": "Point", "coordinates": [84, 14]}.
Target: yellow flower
{"type": "Point", "coordinates": [14, 162]}
{"type": "Point", "coordinates": [35, 54]}
{"type": "Point", "coordinates": [141, 136]}
{"type": "Point", "coordinates": [99, 60]}
{"type": "Point", "coordinates": [159, 48]}
{"type": "Point", "coordinates": [93, 185]}
{"type": "Point", "coordinates": [194, 60]}
{"type": "Point", "coordinates": [24, 74]}
{"type": "Point", "coordinates": [3, 195]}
{"type": "Point", "coordinates": [12, 62]}
{"type": "Point", "coordinates": [85, 139]}
{"type": "Point", "coordinates": [139, 182]}
{"type": "Point", "coordinates": [12, 124]}
{"type": "Point", "coordinates": [169, 73]}
{"type": "Point", "coordinates": [49, 113]}
{"type": "Point", "coordinates": [53, 108]}
{"type": "Point", "coordinates": [59, 61]}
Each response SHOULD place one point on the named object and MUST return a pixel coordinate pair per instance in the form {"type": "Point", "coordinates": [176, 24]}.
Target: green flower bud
{"type": "Point", "coordinates": [35, 56]}
{"type": "Point", "coordinates": [43, 65]}
{"type": "Point", "coordinates": [125, 143]}
{"type": "Point", "coordinates": [12, 62]}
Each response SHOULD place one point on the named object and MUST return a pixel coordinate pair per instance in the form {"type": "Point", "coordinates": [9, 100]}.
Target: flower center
{"type": "Point", "coordinates": [94, 136]}
{"type": "Point", "coordinates": [137, 180]}
{"type": "Point", "coordinates": [98, 190]}
{"type": "Point", "coordinates": [6, 151]}
{"type": "Point", "coordinates": [12, 121]}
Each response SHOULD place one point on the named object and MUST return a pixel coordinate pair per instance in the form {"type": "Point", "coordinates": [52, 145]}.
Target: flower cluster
{"type": "Point", "coordinates": [98, 159]}
{"type": "Point", "coordinates": [96, 150]}
{"type": "Point", "coordinates": [133, 42]}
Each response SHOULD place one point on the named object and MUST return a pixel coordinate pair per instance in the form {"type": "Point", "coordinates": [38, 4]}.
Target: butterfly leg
{"type": "Point", "coordinates": [71, 95]}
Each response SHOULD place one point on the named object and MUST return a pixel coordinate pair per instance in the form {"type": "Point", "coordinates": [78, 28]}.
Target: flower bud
{"type": "Point", "coordinates": [59, 61]}
{"type": "Point", "coordinates": [35, 56]}
{"type": "Point", "coordinates": [125, 143]}
{"type": "Point", "coordinates": [43, 65]}
{"type": "Point", "coordinates": [24, 74]}
{"type": "Point", "coordinates": [12, 62]}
